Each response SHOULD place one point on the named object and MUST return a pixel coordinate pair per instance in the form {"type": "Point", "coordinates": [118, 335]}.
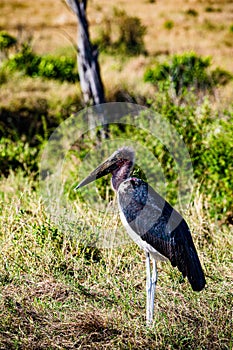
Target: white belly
{"type": "Point", "coordinates": [142, 244]}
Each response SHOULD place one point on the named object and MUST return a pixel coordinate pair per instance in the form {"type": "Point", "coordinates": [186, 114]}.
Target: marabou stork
{"type": "Point", "coordinates": [151, 222]}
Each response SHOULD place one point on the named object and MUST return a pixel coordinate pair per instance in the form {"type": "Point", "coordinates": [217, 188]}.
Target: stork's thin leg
{"type": "Point", "coordinates": [149, 315]}
{"type": "Point", "coordinates": [151, 282]}
{"type": "Point", "coordinates": [153, 287]}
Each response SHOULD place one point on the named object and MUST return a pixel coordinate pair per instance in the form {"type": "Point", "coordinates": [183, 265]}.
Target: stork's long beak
{"type": "Point", "coordinates": [103, 169]}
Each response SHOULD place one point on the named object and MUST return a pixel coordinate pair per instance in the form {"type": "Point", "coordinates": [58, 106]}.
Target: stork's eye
{"type": "Point", "coordinates": [133, 181]}
{"type": "Point", "coordinates": [120, 163]}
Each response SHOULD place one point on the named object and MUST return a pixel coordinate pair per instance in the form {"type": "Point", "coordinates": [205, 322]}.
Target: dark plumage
{"type": "Point", "coordinates": [157, 223]}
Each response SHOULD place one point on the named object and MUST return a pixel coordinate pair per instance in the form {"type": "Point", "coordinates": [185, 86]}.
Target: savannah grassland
{"type": "Point", "coordinates": [55, 291]}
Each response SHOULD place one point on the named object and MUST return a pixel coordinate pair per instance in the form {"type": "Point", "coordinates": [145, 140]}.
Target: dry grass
{"type": "Point", "coordinates": [42, 315]}
{"type": "Point", "coordinates": [23, 89]}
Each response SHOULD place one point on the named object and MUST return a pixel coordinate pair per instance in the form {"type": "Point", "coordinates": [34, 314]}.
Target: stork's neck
{"type": "Point", "coordinates": [121, 174]}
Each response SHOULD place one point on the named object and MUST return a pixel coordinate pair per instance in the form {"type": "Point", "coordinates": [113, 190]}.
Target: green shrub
{"type": "Point", "coordinates": [186, 71]}
{"type": "Point", "coordinates": [208, 137]}
{"type": "Point", "coordinates": [131, 33]}
{"type": "Point", "coordinates": [6, 41]}
{"type": "Point", "coordinates": [105, 34]}
{"type": "Point", "coordinates": [192, 12]}
{"type": "Point", "coordinates": [17, 155]}
{"type": "Point", "coordinates": [50, 67]}
{"type": "Point", "coordinates": [169, 24]}
{"type": "Point", "coordinates": [4, 76]}
{"type": "Point", "coordinates": [25, 60]}
{"type": "Point", "coordinates": [221, 76]}
{"type": "Point", "coordinates": [122, 34]}
{"type": "Point", "coordinates": [217, 162]}
{"type": "Point", "coordinates": [213, 9]}
{"type": "Point", "coordinates": [60, 68]}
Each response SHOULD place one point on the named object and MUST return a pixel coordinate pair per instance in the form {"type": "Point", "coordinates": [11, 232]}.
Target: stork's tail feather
{"type": "Point", "coordinates": [194, 272]}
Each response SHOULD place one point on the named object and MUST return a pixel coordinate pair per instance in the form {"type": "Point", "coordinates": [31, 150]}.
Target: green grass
{"type": "Point", "coordinates": [58, 293]}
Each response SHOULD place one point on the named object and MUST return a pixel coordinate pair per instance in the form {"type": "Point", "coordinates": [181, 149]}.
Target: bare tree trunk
{"type": "Point", "coordinates": [89, 71]}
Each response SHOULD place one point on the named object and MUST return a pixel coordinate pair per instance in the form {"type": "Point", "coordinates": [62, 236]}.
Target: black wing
{"type": "Point", "coordinates": [157, 223]}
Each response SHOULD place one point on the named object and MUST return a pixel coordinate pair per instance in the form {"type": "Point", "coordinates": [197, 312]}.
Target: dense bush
{"type": "Point", "coordinates": [25, 60]}
{"type": "Point", "coordinates": [217, 163]}
{"type": "Point", "coordinates": [17, 155]}
{"type": "Point", "coordinates": [122, 34]}
{"type": "Point", "coordinates": [131, 33]}
{"type": "Point", "coordinates": [186, 71]}
{"type": "Point", "coordinates": [61, 68]}
{"type": "Point", "coordinates": [208, 137]}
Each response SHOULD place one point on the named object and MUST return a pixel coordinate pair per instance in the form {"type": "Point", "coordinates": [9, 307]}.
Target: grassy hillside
{"type": "Point", "coordinates": [57, 291]}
